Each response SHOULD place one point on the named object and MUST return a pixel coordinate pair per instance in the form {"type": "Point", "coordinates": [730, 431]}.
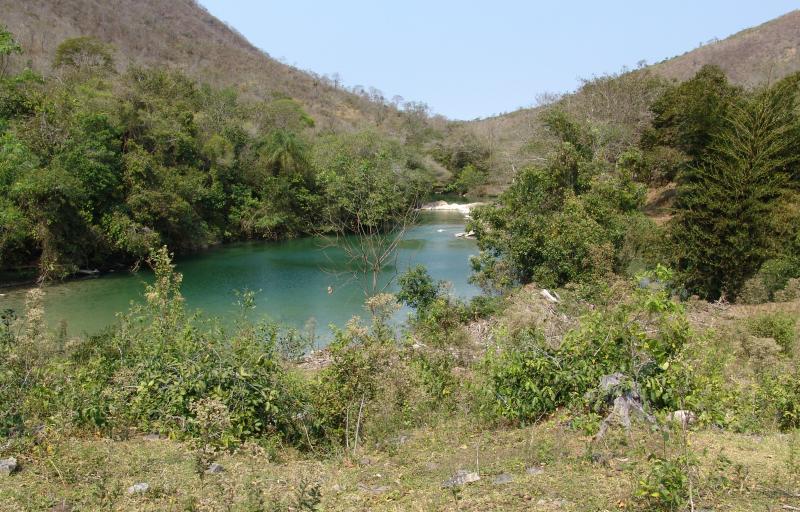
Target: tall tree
{"type": "Point", "coordinates": [722, 231]}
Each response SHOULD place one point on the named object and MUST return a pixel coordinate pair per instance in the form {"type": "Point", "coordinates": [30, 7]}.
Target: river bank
{"type": "Point", "coordinates": [291, 279]}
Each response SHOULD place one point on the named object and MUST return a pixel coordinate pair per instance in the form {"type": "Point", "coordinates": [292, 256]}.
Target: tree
{"type": "Point", "coordinates": [84, 54]}
{"type": "Point", "coordinates": [371, 196]}
{"type": "Point", "coordinates": [722, 231]}
{"type": "Point", "coordinates": [285, 153]}
{"type": "Point", "coordinates": [8, 47]}
{"type": "Point", "coordinates": [284, 114]}
{"type": "Point", "coordinates": [563, 222]}
{"type": "Point", "coordinates": [686, 116]}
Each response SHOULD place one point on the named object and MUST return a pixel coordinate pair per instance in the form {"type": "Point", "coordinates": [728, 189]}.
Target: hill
{"type": "Point", "coordinates": [182, 34]}
{"type": "Point", "coordinates": [751, 57]}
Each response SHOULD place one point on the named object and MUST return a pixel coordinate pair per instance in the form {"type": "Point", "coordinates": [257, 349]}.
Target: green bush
{"type": "Point", "coordinates": [769, 283]}
{"type": "Point", "coordinates": [149, 372]}
{"type": "Point", "coordinates": [784, 391]}
{"type": "Point", "coordinates": [417, 288]}
{"type": "Point", "coordinates": [666, 486]}
{"type": "Point", "coordinates": [529, 379]}
{"type": "Point", "coordinates": [563, 222]}
{"type": "Point", "coordinates": [779, 326]}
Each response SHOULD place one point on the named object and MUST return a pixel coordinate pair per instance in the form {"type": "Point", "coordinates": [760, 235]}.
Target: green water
{"type": "Point", "coordinates": [293, 278]}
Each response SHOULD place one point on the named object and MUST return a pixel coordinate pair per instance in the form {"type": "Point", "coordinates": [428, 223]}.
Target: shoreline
{"type": "Point", "coordinates": [463, 208]}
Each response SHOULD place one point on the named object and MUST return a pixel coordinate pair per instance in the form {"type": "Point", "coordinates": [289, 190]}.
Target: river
{"type": "Point", "coordinates": [297, 280]}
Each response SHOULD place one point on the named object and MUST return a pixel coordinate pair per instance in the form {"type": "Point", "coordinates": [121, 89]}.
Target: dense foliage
{"type": "Point", "coordinates": [564, 222]}
{"type": "Point", "coordinates": [734, 212]}
{"type": "Point", "coordinates": [96, 168]}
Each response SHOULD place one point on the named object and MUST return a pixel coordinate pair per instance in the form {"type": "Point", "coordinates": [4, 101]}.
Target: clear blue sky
{"type": "Point", "coordinates": [470, 59]}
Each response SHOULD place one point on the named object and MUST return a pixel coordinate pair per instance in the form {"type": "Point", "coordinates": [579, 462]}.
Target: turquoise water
{"type": "Point", "coordinates": [292, 279]}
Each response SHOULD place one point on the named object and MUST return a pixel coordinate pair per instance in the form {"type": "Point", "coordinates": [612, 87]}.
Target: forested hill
{"type": "Point", "coordinates": [181, 34]}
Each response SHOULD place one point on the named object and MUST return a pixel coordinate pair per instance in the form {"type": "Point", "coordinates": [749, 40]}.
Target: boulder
{"type": "Point", "coordinates": [682, 416]}
{"type": "Point", "coordinates": [609, 382]}
{"type": "Point", "coordinates": [534, 470]}
{"type": "Point", "coordinates": [502, 479]}
{"type": "Point", "coordinates": [8, 466]}
{"type": "Point", "coordinates": [461, 477]}
{"type": "Point", "coordinates": [215, 469]}
{"type": "Point", "coordinates": [139, 488]}
{"type": "Point", "coordinates": [549, 296]}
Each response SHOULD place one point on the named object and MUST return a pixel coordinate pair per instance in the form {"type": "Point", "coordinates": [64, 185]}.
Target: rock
{"type": "Point", "coordinates": [464, 209]}
{"type": "Point", "coordinates": [550, 296]}
{"type": "Point", "coordinates": [535, 470]}
{"type": "Point", "coordinates": [373, 489]}
{"type": "Point", "coordinates": [139, 488]}
{"type": "Point", "coordinates": [461, 477]}
{"type": "Point", "coordinates": [64, 506]}
{"type": "Point", "coordinates": [502, 479]}
{"type": "Point", "coordinates": [401, 440]}
{"type": "Point", "coordinates": [337, 488]}
{"type": "Point", "coordinates": [8, 466]}
{"type": "Point", "coordinates": [465, 234]}
{"type": "Point", "coordinates": [609, 382]}
{"type": "Point", "coordinates": [431, 466]}
{"type": "Point", "coordinates": [215, 469]}
{"type": "Point", "coordinates": [625, 407]}
{"type": "Point", "coordinates": [682, 416]}
{"type": "Point", "coordinates": [365, 461]}
{"type": "Point", "coordinates": [152, 437]}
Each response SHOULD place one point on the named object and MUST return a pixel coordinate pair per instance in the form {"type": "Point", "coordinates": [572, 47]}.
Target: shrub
{"type": "Point", "coordinates": [775, 280]}
{"type": "Point", "coordinates": [417, 288]}
{"type": "Point", "coordinates": [790, 292]}
{"type": "Point", "coordinates": [529, 378]}
{"type": "Point", "coordinates": [151, 371]}
{"type": "Point", "coordinates": [784, 390]}
{"type": "Point", "coordinates": [778, 326]}
{"type": "Point", "coordinates": [666, 486]}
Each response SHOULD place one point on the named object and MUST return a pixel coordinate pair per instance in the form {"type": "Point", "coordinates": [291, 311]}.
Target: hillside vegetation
{"type": "Point", "coordinates": [182, 35]}
{"type": "Point", "coordinates": [97, 166]}
{"type": "Point", "coordinates": [750, 58]}
{"type": "Point", "coordinates": [615, 361]}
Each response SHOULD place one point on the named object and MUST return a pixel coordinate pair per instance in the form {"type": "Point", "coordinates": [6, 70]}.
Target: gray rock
{"type": "Point", "coordinates": [502, 479]}
{"type": "Point", "coordinates": [215, 469]}
{"type": "Point", "coordinates": [152, 437]}
{"type": "Point", "coordinates": [461, 477]}
{"type": "Point", "coordinates": [431, 466]}
{"type": "Point", "coordinates": [365, 461]}
{"type": "Point", "coordinates": [626, 407]}
{"type": "Point", "coordinates": [64, 506]}
{"type": "Point", "coordinates": [609, 382]}
{"type": "Point", "coordinates": [682, 416]}
{"type": "Point", "coordinates": [8, 466]}
{"type": "Point", "coordinates": [373, 489]}
{"type": "Point", "coordinates": [139, 488]}
{"type": "Point", "coordinates": [534, 470]}
{"type": "Point", "coordinates": [549, 296]}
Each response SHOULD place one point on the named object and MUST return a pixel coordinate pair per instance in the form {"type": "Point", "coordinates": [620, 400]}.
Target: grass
{"type": "Point", "coordinates": [406, 474]}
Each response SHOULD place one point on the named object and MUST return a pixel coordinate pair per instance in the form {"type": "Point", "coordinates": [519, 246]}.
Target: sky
{"type": "Point", "coordinates": [469, 59]}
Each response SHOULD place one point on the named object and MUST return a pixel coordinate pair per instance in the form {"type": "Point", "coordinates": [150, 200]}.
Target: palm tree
{"type": "Point", "coordinates": [285, 152]}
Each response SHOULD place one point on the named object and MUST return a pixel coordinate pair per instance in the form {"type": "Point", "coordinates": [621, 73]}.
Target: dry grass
{"type": "Point", "coordinates": [93, 474]}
